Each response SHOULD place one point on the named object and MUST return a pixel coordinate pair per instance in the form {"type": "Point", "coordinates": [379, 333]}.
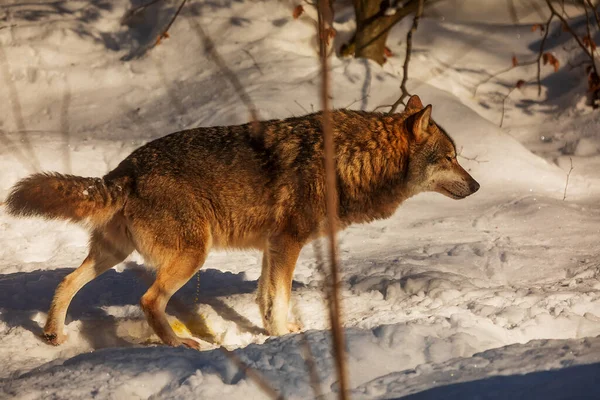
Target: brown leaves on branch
{"type": "Point", "coordinates": [593, 80]}
{"type": "Point", "coordinates": [589, 42]}
{"type": "Point", "coordinates": [520, 83]}
{"type": "Point", "coordinates": [548, 58]}
{"type": "Point", "coordinates": [164, 35]}
{"type": "Point", "coordinates": [298, 11]}
{"type": "Point", "coordinates": [535, 27]}
{"type": "Point", "coordinates": [327, 34]}
{"type": "Point", "coordinates": [515, 62]}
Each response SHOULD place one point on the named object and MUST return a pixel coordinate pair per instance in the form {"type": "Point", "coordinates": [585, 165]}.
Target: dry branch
{"type": "Point", "coordinates": [409, 35]}
{"type": "Point", "coordinates": [567, 182]}
{"type": "Point", "coordinates": [596, 15]}
{"type": "Point", "coordinates": [518, 85]}
{"type": "Point", "coordinates": [568, 28]}
{"type": "Point", "coordinates": [589, 40]}
{"type": "Point", "coordinates": [475, 159]}
{"type": "Point", "coordinates": [165, 32]}
{"type": "Point", "coordinates": [540, 54]}
{"type": "Point", "coordinates": [136, 10]}
{"type": "Point", "coordinates": [503, 71]}
{"type": "Point", "coordinates": [331, 205]}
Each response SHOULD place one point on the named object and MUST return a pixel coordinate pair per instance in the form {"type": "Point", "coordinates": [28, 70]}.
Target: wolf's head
{"type": "Point", "coordinates": [432, 164]}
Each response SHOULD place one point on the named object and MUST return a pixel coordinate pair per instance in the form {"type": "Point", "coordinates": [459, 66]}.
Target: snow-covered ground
{"type": "Point", "coordinates": [446, 299]}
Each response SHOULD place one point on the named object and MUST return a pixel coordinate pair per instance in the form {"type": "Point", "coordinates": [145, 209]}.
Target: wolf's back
{"type": "Point", "coordinates": [75, 198]}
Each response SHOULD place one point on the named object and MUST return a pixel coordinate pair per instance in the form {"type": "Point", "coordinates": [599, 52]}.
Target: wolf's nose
{"type": "Point", "coordinates": [474, 186]}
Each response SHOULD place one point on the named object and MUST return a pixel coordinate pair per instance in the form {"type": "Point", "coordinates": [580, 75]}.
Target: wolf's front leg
{"type": "Point", "coordinates": [275, 284]}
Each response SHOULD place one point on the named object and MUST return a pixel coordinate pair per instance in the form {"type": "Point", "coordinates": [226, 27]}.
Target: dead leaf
{"type": "Point", "coordinates": [589, 42]}
{"type": "Point", "coordinates": [515, 62]}
{"type": "Point", "coordinates": [298, 11]}
{"type": "Point", "coordinates": [548, 58]}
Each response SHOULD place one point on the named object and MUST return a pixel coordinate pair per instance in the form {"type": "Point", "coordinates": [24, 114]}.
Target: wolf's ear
{"type": "Point", "coordinates": [414, 103]}
{"type": "Point", "coordinates": [421, 124]}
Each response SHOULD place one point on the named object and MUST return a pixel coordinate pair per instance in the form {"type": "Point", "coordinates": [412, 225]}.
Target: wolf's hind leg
{"type": "Point", "coordinates": [275, 284]}
{"type": "Point", "coordinates": [172, 275]}
{"type": "Point", "coordinates": [108, 247]}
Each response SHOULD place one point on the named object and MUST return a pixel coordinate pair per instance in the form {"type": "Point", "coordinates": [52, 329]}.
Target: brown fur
{"type": "Point", "coordinates": [177, 197]}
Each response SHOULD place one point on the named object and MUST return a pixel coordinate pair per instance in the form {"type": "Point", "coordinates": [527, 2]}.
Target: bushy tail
{"type": "Point", "coordinates": [56, 196]}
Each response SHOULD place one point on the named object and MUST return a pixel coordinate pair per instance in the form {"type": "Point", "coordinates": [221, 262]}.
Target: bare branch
{"type": "Point", "coordinates": [574, 34]}
{"type": "Point", "coordinates": [165, 34]}
{"type": "Point", "coordinates": [596, 15]}
{"type": "Point", "coordinates": [504, 105]}
{"type": "Point", "coordinates": [520, 83]}
{"type": "Point", "coordinates": [502, 71]}
{"type": "Point", "coordinates": [254, 60]}
{"type": "Point", "coordinates": [409, 35]}
{"type": "Point", "coordinates": [475, 159]}
{"type": "Point", "coordinates": [302, 107]}
{"type": "Point", "coordinates": [366, 96]}
{"type": "Point", "coordinates": [589, 34]}
{"type": "Point", "coordinates": [567, 182]}
{"type": "Point", "coordinates": [136, 10]}
{"type": "Point", "coordinates": [331, 205]}
{"type": "Point", "coordinates": [541, 52]}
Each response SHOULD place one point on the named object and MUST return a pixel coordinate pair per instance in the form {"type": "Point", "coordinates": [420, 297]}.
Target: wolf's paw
{"type": "Point", "coordinates": [190, 343]}
{"type": "Point", "coordinates": [54, 338]}
{"type": "Point", "coordinates": [290, 327]}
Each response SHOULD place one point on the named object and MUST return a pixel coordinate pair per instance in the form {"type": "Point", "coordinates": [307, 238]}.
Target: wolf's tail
{"type": "Point", "coordinates": [92, 201]}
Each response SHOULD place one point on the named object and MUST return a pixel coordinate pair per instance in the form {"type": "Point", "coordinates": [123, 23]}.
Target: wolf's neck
{"type": "Point", "coordinates": [372, 182]}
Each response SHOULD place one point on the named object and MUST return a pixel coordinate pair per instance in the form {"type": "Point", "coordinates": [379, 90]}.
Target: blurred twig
{"type": "Point", "coordinates": [518, 85]}
{"type": "Point", "coordinates": [253, 60]}
{"type": "Point", "coordinates": [165, 32]}
{"type": "Point", "coordinates": [475, 159]}
{"type": "Point", "coordinates": [136, 10]}
{"type": "Point", "coordinates": [541, 53]}
{"type": "Point", "coordinates": [568, 28]}
{"type": "Point", "coordinates": [502, 71]}
{"type": "Point", "coordinates": [595, 10]}
{"type": "Point", "coordinates": [409, 35]}
{"type": "Point", "coordinates": [331, 205]}
{"type": "Point", "coordinates": [567, 182]}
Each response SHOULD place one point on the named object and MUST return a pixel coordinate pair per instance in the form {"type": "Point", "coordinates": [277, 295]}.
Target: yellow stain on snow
{"type": "Point", "coordinates": [195, 327]}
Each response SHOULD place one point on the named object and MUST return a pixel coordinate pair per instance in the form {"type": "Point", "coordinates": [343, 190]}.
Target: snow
{"type": "Point", "coordinates": [497, 291]}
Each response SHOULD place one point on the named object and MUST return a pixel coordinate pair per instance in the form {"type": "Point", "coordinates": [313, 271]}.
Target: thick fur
{"type": "Point", "coordinates": [177, 197]}
{"type": "Point", "coordinates": [56, 196]}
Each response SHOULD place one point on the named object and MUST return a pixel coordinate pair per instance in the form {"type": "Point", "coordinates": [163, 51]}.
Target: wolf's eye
{"type": "Point", "coordinates": [448, 158]}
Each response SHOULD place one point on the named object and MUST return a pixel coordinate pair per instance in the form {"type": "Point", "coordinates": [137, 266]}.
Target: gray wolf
{"type": "Point", "coordinates": [180, 196]}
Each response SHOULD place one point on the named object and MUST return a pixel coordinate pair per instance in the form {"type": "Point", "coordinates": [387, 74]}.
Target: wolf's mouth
{"type": "Point", "coordinates": [452, 194]}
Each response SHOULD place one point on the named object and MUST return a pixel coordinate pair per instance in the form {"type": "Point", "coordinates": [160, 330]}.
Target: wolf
{"type": "Point", "coordinates": [176, 198]}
